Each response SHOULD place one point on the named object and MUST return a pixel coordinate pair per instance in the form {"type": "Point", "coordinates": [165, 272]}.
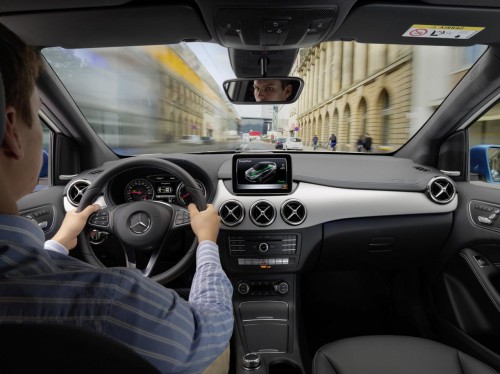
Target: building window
{"type": "Point", "coordinates": [347, 116]}
{"type": "Point", "coordinates": [385, 113]}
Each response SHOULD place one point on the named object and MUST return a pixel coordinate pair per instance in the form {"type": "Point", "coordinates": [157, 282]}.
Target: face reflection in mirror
{"type": "Point", "coordinates": [272, 90]}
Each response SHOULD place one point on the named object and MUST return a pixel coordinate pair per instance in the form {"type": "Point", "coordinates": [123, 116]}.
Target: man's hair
{"type": "Point", "coordinates": [20, 66]}
{"type": "Point", "coordinates": [285, 82]}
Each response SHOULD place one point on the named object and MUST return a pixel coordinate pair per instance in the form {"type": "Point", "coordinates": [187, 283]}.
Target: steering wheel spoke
{"type": "Point", "coordinates": [131, 260]}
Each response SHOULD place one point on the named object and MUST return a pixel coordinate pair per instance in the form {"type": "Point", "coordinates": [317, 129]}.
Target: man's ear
{"type": "Point", "coordinates": [288, 90]}
{"type": "Point", "coordinates": [11, 144]}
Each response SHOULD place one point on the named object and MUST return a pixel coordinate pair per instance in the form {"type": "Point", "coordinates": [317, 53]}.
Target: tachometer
{"type": "Point", "coordinates": [139, 189]}
{"type": "Point", "coordinates": [185, 197]}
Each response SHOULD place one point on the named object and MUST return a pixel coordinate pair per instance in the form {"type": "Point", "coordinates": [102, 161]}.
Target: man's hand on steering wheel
{"type": "Point", "coordinates": [205, 224]}
{"type": "Point", "coordinates": [73, 225]}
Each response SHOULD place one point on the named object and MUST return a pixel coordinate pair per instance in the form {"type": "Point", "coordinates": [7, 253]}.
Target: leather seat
{"type": "Point", "coordinates": [59, 349]}
{"type": "Point", "coordinates": [387, 354]}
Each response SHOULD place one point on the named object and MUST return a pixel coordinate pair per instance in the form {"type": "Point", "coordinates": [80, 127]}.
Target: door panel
{"type": "Point", "coordinates": [466, 293]}
{"type": "Point", "coordinates": [46, 207]}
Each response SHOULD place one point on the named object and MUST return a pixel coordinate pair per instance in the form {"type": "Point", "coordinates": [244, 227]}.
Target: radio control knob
{"type": "Point", "coordinates": [243, 288]}
{"type": "Point", "coordinates": [282, 288]}
{"type": "Point", "coordinates": [263, 247]}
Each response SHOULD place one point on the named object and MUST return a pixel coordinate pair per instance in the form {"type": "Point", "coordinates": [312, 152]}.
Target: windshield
{"type": "Point", "coordinates": [164, 99]}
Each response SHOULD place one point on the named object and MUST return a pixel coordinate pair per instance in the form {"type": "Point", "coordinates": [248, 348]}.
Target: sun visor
{"type": "Point", "coordinates": [37, 5]}
{"type": "Point", "coordinates": [421, 25]}
{"type": "Point", "coordinates": [129, 25]}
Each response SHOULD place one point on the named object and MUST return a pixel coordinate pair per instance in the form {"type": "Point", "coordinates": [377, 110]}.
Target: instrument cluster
{"type": "Point", "coordinates": [159, 186]}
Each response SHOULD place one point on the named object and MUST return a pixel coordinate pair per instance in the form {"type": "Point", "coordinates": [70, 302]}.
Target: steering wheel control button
{"type": "Point", "coordinates": [100, 218]}
{"type": "Point", "coordinates": [139, 222]}
{"type": "Point", "coordinates": [182, 217]}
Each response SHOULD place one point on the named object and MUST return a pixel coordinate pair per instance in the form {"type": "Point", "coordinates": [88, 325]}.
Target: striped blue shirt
{"type": "Point", "coordinates": [38, 285]}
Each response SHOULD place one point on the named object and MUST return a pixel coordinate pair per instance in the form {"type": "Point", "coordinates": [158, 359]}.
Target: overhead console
{"type": "Point", "coordinates": [250, 27]}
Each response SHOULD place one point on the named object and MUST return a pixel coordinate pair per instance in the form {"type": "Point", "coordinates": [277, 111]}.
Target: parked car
{"type": "Point", "coordinates": [399, 243]}
{"type": "Point", "coordinates": [191, 139]}
{"type": "Point", "coordinates": [279, 143]}
{"type": "Point", "coordinates": [207, 140]}
{"type": "Point", "coordinates": [294, 144]}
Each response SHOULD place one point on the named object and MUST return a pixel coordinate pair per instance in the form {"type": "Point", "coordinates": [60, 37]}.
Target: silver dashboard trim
{"type": "Point", "coordinates": [326, 204]}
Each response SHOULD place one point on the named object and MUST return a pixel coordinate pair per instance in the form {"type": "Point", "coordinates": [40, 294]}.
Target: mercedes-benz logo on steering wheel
{"type": "Point", "coordinates": [139, 223]}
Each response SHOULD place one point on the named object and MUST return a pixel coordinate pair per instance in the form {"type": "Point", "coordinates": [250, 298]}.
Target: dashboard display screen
{"type": "Point", "coordinates": [265, 173]}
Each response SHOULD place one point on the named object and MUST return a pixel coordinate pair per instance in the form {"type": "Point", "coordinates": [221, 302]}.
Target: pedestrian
{"type": "Point", "coordinates": [315, 142]}
{"type": "Point", "coordinates": [332, 142]}
{"type": "Point", "coordinates": [368, 143]}
{"type": "Point", "coordinates": [359, 144]}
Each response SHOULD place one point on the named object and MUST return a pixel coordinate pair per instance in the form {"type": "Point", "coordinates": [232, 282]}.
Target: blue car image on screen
{"type": "Point", "coordinates": [260, 171]}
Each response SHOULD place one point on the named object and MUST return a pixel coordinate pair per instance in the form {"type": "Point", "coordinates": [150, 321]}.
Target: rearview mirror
{"type": "Point", "coordinates": [280, 90]}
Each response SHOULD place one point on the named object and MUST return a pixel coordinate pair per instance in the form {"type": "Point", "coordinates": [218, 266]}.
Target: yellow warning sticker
{"type": "Point", "coordinates": [442, 31]}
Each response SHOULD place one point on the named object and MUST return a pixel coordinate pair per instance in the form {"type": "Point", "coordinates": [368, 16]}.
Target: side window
{"type": "Point", "coordinates": [43, 178]}
{"type": "Point", "coordinates": [484, 143]}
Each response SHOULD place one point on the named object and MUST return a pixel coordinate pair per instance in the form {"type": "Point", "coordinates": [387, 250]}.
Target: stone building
{"type": "Point", "coordinates": [386, 91]}
{"type": "Point", "coordinates": [354, 89]}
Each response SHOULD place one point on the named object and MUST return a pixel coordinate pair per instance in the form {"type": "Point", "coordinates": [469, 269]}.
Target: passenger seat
{"type": "Point", "coordinates": [390, 354]}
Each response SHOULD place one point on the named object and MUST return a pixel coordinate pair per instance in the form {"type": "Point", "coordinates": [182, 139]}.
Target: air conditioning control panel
{"type": "Point", "coordinates": [269, 251]}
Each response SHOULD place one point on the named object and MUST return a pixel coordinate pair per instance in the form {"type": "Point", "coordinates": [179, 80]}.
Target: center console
{"type": "Point", "coordinates": [265, 308]}
{"type": "Point", "coordinates": [262, 269]}
{"type": "Point", "coordinates": [263, 265]}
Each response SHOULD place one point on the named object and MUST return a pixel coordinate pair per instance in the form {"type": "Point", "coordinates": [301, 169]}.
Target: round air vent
{"type": "Point", "coordinates": [231, 212]}
{"type": "Point", "coordinates": [262, 213]}
{"type": "Point", "coordinates": [441, 190]}
{"type": "Point", "coordinates": [293, 212]}
{"type": "Point", "coordinates": [76, 191]}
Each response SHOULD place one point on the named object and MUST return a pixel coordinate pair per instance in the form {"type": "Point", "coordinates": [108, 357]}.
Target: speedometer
{"type": "Point", "coordinates": [139, 189]}
{"type": "Point", "coordinates": [185, 197]}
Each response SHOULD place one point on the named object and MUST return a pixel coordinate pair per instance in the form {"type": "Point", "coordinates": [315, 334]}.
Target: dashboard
{"type": "Point", "coordinates": [270, 201]}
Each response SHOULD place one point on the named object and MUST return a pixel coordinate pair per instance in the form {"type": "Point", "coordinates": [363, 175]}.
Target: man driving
{"type": "Point", "coordinates": [40, 283]}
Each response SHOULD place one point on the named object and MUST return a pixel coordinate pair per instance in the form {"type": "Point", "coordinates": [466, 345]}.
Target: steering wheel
{"type": "Point", "coordinates": [142, 225]}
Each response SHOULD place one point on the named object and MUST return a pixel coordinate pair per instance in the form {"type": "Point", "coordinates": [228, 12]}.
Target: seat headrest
{"type": "Point", "coordinates": [2, 109]}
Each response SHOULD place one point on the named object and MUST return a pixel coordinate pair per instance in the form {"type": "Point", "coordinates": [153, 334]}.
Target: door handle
{"type": "Point", "coordinates": [487, 274]}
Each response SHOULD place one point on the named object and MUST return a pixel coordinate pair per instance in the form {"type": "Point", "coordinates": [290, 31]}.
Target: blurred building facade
{"type": "Point", "coordinates": [384, 91]}
{"type": "Point", "coordinates": [156, 93]}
